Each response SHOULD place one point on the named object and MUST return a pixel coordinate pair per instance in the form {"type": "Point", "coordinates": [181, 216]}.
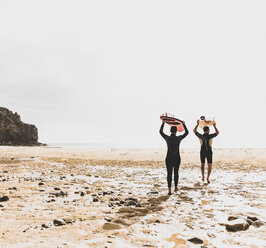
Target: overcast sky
{"type": "Point", "coordinates": [104, 71]}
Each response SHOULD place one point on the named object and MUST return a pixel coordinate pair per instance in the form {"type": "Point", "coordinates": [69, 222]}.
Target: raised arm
{"type": "Point", "coordinates": [216, 130]}
{"type": "Point", "coordinates": [196, 127]}
{"type": "Point", "coordinates": [161, 130]}
{"type": "Point", "coordinates": [186, 130]}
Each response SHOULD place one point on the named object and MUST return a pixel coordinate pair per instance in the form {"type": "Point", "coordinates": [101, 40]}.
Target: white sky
{"type": "Point", "coordinates": [104, 71]}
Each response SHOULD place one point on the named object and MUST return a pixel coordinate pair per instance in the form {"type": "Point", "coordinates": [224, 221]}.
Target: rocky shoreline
{"type": "Point", "coordinates": [53, 200]}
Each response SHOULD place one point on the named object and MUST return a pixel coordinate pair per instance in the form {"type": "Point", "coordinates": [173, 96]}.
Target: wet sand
{"type": "Point", "coordinates": [84, 197]}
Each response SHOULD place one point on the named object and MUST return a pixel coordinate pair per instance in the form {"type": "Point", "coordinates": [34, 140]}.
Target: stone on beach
{"type": "Point", "coordinates": [237, 225]}
{"type": "Point", "coordinates": [59, 222]}
{"type": "Point", "coordinates": [258, 223]}
{"type": "Point", "coordinates": [4, 198]}
{"type": "Point", "coordinates": [195, 241]}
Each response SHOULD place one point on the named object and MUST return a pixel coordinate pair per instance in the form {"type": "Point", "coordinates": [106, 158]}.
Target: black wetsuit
{"type": "Point", "coordinates": [206, 149]}
{"type": "Point", "coordinates": [172, 159]}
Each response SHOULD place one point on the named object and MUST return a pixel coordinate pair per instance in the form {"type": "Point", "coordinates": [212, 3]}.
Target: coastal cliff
{"type": "Point", "coordinates": [15, 132]}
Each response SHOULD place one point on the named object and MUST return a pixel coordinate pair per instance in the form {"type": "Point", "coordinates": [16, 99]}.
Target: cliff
{"type": "Point", "coordinates": [15, 132]}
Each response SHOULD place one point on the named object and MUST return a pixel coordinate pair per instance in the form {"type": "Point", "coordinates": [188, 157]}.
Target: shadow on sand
{"type": "Point", "coordinates": [130, 215]}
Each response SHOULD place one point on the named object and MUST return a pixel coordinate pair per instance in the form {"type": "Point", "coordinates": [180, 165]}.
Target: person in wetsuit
{"type": "Point", "coordinates": [206, 148]}
{"type": "Point", "coordinates": [173, 159]}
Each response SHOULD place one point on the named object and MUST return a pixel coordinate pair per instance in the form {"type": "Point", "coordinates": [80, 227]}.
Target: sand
{"type": "Point", "coordinates": [111, 197]}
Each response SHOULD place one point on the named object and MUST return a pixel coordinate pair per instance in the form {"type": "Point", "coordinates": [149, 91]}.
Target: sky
{"type": "Point", "coordinates": [104, 71]}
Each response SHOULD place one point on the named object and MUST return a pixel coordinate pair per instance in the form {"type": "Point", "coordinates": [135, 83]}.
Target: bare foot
{"type": "Point", "coordinates": [208, 181]}
{"type": "Point", "coordinates": [202, 179]}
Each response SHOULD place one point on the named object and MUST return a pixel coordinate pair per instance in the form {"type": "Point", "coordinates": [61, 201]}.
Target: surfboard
{"type": "Point", "coordinates": [172, 121]}
{"type": "Point", "coordinates": [204, 122]}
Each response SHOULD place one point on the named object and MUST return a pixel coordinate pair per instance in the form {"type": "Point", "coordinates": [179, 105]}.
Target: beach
{"type": "Point", "coordinates": [117, 197]}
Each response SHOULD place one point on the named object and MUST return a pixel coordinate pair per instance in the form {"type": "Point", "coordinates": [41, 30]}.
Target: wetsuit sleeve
{"type": "Point", "coordinates": [213, 135]}
{"type": "Point", "coordinates": [161, 131]}
{"type": "Point", "coordinates": [186, 132]}
{"type": "Point", "coordinates": [198, 135]}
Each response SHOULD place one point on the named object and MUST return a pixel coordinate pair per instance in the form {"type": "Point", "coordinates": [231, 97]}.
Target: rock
{"type": "Point", "coordinates": [68, 221]}
{"type": "Point", "coordinates": [131, 203]}
{"type": "Point", "coordinates": [249, 221]}
{"type": "Point", "coordinates": [4, 198]}
{"type": "Point", "coordinates": [258, 223]}
{"type": "Point", "coordinates": [252, 218]}
{"type": "Point", "coordinates": [82, 193]}
{"type": "Point", "coordinates": [230, 218]}
{"type": "Point", "coordinates": [59, 222]}
{"type": "Point", "coordinates": [15, 132]}
{"type": "Point", "coordinates": [237, 225]}
{"type": "Point", "coordinates": [114, 199]}
{"type": "Point", "coordinates": [95, 199]}
{"type": "Point", "coordinates": [108, 220]}
{"type": "Point", "coordinates": [154, 192]}
{"type": "Point", "coordinates": [46, 225]}
{"type": "Point", "coordinates": [196, 241]}
{"type": "Point", "coordinates": [131, 199]}
{"type": "Point", "coordinates": [110, 226]}
{"type": "Point", "coordinates": [40, 184]}
{"type": "Point", "coordinates": [56, 188]}
{"type": "Point", "coordinates": [1, 206]}
{"type": "Point", "coordinates": [61, 193]}
{"type": "Point", "coordinates": [13, 188]}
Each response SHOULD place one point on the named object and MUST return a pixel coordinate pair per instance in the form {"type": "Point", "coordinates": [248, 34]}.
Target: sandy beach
{"type": "Point", "coordinates": [111, 197]}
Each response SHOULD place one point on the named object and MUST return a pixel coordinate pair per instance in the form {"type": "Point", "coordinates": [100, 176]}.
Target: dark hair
{"type": "Point", "coordinates": [173, 129]}
{"type": "Point", "coordinates": [205, 129]}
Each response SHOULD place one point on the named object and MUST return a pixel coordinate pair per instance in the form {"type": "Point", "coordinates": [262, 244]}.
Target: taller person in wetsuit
{"type": "Point", "coordinates": [206, 148]}
{"type": "Point", "coordinates": [173, 159]}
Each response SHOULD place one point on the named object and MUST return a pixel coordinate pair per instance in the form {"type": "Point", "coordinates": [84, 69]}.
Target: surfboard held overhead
{"type": "Point", "coordinates": [172, 121]}
{"type": "Point", "coordinates": [205, 122]}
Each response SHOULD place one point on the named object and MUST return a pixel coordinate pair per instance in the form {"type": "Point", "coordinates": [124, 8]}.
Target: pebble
{"type": "Point", "coordinates": [252, 218]}
{"type": "Point", "coordinates": [131, 203]}
{"type": "Point", "coordinates": [196, 241]}
{"type": "Point", "coordinates": [45, 225]}
{"type": "Point", "coordinates": [257, 223]}
{"type": "Point", "coordinates": [230, 218]}
{"type": "Point", "coordinates": [14, 188]}
{"type": "Point", "coordinates": [59, 222]}
{"type": "Point", "coordinates": [4, 198]}
{"type": "Point", "coordinates": [237, 225]}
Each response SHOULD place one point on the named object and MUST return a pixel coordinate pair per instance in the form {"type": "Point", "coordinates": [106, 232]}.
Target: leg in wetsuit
{"type": "Point", "coordinates": [172, 163]}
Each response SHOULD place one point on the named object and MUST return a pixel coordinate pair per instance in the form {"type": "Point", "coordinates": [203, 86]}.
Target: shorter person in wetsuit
{"type": "Point", "coordinates": [206, 148]}
{"type": "Point", "coordinates": [173, 159]}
